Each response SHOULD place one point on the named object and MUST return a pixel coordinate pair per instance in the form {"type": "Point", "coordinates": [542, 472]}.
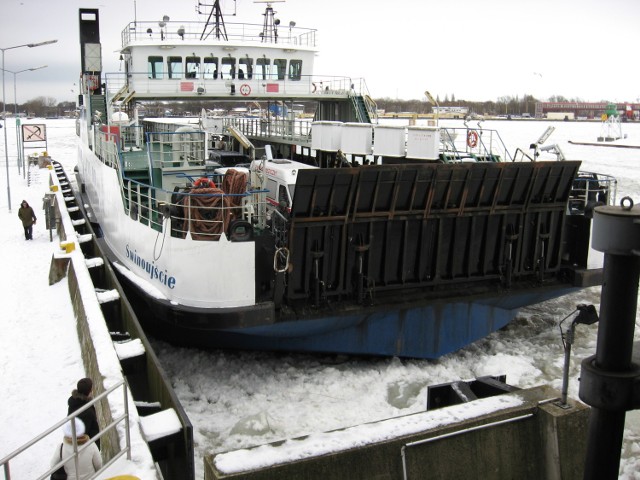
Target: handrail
{"type": "Point", "coordinates": [5, 461]}
{"type": "Point", "coordinates": [455, 433]}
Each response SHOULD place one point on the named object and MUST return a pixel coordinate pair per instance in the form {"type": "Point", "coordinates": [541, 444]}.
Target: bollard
{"type": "Point", "coordinates": [608, 378]}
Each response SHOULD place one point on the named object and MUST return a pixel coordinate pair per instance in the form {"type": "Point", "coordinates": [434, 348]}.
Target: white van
{"type": "Point", "coordinates": [279, 176]}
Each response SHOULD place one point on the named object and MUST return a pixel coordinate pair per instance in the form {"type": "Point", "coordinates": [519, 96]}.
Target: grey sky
{"type": "Point", "coordinates": [475, 50]}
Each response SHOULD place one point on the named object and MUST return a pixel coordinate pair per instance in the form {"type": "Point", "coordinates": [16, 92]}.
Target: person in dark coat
{"type": "Point", "coordinates": [28, 218]}
{"type": "Point", "coordinates": [82, 395]}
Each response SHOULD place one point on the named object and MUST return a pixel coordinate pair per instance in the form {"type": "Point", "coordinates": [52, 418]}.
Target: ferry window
{"type": "Point", "coordinates": [228, 68]}
{"type": "Point", "coordinates": [262, 68]}
{"type": "Point", "coordinates": [295, 69]}
{"type": "Point", "coordinates": [175, 67]}
{"type": "Point", "coordinates": [156, 67]}
{"type": "Point", "coordinates": [210, 68]}
{"type": "Point", "coordinates": [245, 68]}
{"type": "Point", "coordinates": [280, 65]}
{"type": "Point", "coordinates": [192, 67]}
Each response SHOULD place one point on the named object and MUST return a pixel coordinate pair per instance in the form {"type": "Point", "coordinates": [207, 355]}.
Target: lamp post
{"type": "Point", "coordinates": [432, 101]}
{"type": "Point", "coordinates": [4, 105]}
{"type": "Point", "coordinates": [15, 97]}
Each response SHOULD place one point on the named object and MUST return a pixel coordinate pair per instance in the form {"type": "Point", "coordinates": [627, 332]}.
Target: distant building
{"type": "Point", "coordinates": [588, 110]}
{"type": "Point", "coordinates": [451, 110]}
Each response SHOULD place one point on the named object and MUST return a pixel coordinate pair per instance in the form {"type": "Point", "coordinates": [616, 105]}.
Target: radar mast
{"type": "Point", "coordinates": [216, 26]}
{"type": "Point", "coordinates": [270, 28]}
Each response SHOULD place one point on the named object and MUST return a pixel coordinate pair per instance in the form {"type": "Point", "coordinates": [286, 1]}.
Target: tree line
{"type": "Point", "coordinates": [506, 105]}
{"type": "Point", "coordinates": [42, 107]}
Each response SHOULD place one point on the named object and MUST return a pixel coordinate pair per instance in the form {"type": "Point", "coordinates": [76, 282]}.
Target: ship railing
{"type": "Point", "coordinates": [280, 228]}
{"type": "Point", "coordinates": [296, 130]}
{"type": "Point", "coordinates": [107, 145]}
{"type": "Point", "coordinates": [589, 190]}
{"type": "Point", "coordinates": [203, 216]}
{"type": "Point", "coordinates": [460, 144]}
{"type": "Point", "coordinates": [197, 32]}
{"type": "Point", "coordinates": [202, 83]}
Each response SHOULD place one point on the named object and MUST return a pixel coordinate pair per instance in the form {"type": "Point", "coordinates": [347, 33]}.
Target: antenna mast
{"type": "Point", "coordinates": [217, 27]}
{"type": "Point", "coordinates": [270, 27]}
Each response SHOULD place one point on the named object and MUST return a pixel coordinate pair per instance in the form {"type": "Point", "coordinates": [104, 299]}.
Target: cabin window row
{"type": "Point", "coordinates": [225, 68]}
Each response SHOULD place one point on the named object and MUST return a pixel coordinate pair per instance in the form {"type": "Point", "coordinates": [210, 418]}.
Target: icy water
{"type": "Point", "coordinates": [241, 399]}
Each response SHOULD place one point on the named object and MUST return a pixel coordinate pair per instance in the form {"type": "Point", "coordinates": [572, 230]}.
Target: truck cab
{"type": "Point", "coordinates": [278, 177]}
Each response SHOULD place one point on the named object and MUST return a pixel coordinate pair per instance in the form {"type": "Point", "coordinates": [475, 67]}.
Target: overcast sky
{"type": "Point", "coordinates": [475, 50]}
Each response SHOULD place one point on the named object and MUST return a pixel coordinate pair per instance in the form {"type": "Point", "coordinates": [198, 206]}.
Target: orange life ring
{"type": "Point", "coordinates": [472, 138]}
{"type": "Point", "coordinates": [204, 182]}
{"type": "Point", "coordinates": [245, 89]}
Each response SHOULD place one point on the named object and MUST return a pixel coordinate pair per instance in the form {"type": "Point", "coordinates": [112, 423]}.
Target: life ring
{"type": "Point", "coordinates": [472, 138]}
{"type": "Point", "coordinates": [245, 90]}
{"type": "Point", "coordinates": [204, 182]}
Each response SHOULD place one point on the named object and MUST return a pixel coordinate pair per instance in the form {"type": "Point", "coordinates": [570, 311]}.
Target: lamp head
{"type": "Point", "coordinates": [587, 316]}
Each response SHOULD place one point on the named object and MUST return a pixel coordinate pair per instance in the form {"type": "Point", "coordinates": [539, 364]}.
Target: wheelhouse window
{"type": "Point", "coordinates": [155, 67]}
{"type": "Point", "coordinates": [210, 68]}
{"type": "Point", "coordinates": [228, 68]}
{"type": "Point", "coordinates": [175, 67]}
{"type": "Point", "coordinates": [295, 69]}
{"type": "Point", "coordinates": [280, 65]}
{"type": "Point", "coordinates": [192, 67]}
{"type": "Point", "coordinates": [245, 68]}
{"type": "Point", "coordinates": [263, 67]}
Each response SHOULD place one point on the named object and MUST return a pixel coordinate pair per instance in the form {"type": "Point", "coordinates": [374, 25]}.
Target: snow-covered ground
{"type": "Point", "coordinates": [241, 399]}
{"type": "Point", "coordinates": [39, 350]}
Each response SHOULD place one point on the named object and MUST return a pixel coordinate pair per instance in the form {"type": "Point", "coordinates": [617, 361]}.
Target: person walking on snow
{"type": "Point", "coordinates": [82, 395]}
{"type": "Point", "coordinates": [28, 217]}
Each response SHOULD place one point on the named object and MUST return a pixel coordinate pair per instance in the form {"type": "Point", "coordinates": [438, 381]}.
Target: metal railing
{"type": "Point", "coordinates": [404, 448]}
{"type": "Point", "coordinates": [236, 32]}
{"type": "Point", "coordinates": [151, 205]}
{"type": "Point", "coordinates": [179, 86]}
{"type": "Point", "coordinates": [590, 190]}
{"type": "Point", "coordinates": [458, 144]}
{"type": "Point", "coordinates": [76, 450]}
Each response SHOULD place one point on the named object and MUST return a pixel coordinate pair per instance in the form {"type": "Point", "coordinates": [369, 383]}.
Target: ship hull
{"type": "Point", "coordinates": [426, 331]}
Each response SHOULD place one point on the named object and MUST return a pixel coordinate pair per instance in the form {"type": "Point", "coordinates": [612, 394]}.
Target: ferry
{"type": "Point", "coordinates": [323, 232]}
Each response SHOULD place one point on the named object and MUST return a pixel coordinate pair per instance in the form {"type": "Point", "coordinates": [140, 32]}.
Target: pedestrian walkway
{"type": "Point", "coordinates": [40, 358]}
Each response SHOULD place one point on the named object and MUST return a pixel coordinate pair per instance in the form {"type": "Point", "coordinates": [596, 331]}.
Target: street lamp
{"type": "Point", "coordinates": [4, 105]}
{"type": "Point", "coordinates": [15, 97]}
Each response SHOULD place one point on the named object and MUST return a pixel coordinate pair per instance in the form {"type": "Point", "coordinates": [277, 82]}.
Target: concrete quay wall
{"type": "Point", "coordinates": [535, 439]}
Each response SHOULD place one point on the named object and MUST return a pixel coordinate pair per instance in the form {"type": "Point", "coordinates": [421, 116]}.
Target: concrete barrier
{"type": "Point", "coordinates": [517, 435]}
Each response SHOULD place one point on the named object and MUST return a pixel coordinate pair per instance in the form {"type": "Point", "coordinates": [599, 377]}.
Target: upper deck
{"type": "Point", "coordinates": [201, 33]}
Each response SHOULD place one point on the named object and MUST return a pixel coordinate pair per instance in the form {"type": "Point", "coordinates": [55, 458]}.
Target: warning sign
{"type": "Point", "coordinates": [34, 133]}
